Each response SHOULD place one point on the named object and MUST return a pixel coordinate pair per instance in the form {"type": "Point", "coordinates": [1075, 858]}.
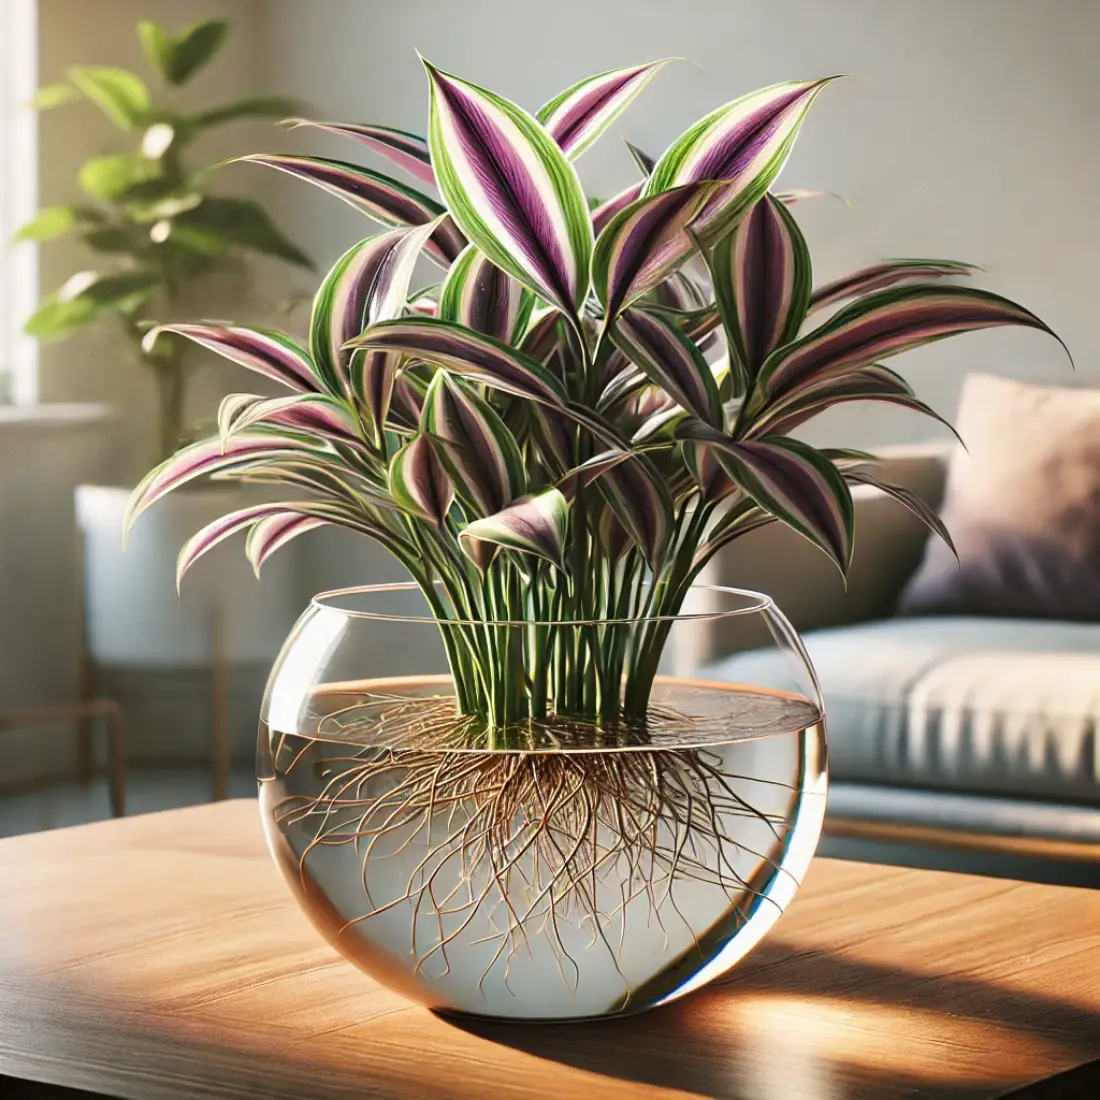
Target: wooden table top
{"type": "Point", "coordinates": [161, 957]}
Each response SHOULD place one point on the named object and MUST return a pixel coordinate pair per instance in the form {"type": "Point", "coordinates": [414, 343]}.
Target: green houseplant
{"type": "Point", "coordinates": [554, 442]}
{"type": "Point", "coordinates": [149, 216]}
{"type": "Point", "coordinates": [159, 240]}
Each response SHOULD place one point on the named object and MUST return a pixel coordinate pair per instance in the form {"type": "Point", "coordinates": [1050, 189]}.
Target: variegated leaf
{"type": "Point", "coordinates": [671, 360]}
{"type": "Point", "coordinates": [793, 482]}
{"type": "Point", "coordinates": [535, 524]}
{"type": "Point", "coordinates": [266, 352]}
{"type": "Point", "coordinates": [480, 296]}
{"type": "Point", "coordinates": [873, 383]}
{"type": "Point", "coordinates": [577, 117]}
{"type": "Point", "coordinates": [745, 143]}
{"type": "Point", "coordinates": [474, 444]}
{"type": "Point", "coordinates": [274, 532]}
{"type": "Point", "coordinates": [709, 475]}
{"type": "Point", "coordinates": [405, 150]}
{"type": "Point", "coordinates": [606, 210]}
{"type": "Point", "coordinates": [511, 189]}
{"type": "Point", "coordinates": [225, 526]}
{"type": "Point", "coordinates": [762, 278]}
{"type": "Point", "coordinates": [886, 274]}
{"type": "Point", "coordinates": [370, 282]}
{"type": "Point", "coordinates": [637, 494]}
{"type": "Point", "coordinates": [376, 195]}
{"type": "Point", "coordinates": [309, 414]}
{"type": "Point", "coordinates": [469, 353]}
{"type": "Point", "coordinates": [644, 243]}
{"type": "Point", "coordinates": [886, 323]}
{"type": "Point", "coordinates": [419, 482]}
{"type": "Point", "coordinates": [210, 456]}
{"type": "Point", "coordinates": [915, 504]}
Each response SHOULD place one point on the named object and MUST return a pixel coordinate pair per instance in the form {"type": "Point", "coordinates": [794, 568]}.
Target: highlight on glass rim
{"type": "Point", "coordinates": [591, 398]}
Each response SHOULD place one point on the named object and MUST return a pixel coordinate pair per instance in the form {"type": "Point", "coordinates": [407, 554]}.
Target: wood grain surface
{"type": "Point", "coordinates": [161, 957]}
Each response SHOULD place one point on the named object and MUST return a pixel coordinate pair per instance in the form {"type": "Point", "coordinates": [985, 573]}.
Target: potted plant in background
{"type": "Point", "coordinates": [537, 820]}
{"type": "Point", "coordinates": [159, 236]}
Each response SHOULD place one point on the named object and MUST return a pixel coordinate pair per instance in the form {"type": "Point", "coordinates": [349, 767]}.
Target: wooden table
{"type": "Point", "coordinates": [161, 957]}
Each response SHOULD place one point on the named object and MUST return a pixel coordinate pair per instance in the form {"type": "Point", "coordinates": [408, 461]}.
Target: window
{"type": "Point", "coordinates": [18, 198]}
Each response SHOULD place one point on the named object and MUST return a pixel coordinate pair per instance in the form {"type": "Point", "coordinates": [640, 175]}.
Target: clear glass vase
{"type": "Point", "coordinates": [570, 865]}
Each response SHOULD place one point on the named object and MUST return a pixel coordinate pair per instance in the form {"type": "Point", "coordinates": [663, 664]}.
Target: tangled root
{"type": "Point", "coordinates": [523, 840]}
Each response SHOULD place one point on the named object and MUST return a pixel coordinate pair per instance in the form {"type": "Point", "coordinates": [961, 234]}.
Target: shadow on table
{"type": "Point", "coordinates": [817, 1025]}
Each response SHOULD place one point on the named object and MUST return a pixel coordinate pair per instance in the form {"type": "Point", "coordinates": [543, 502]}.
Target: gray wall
{"type": "Point", "coordinates": [967, 130]}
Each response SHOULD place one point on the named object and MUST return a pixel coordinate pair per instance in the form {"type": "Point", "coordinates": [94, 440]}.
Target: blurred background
{"type": "Point", "coordinates": [967, 131]}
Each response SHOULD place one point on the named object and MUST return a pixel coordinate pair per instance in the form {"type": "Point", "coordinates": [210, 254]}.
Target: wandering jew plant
{"type": "Point", "coordinates": [596, 398]}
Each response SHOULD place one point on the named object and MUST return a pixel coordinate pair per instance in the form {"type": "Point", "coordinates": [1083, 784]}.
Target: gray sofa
{"type": "Point", "coordinates": [965, 743]}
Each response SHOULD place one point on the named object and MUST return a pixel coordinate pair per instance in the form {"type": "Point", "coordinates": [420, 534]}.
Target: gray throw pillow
{"type": "Point", "coordinates": [1023, 507]}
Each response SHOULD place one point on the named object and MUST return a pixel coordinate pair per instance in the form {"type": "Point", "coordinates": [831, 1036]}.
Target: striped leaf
{"type": "Point", "coordinates": [644, 243]}
{"type": "Point", "coordinates": [762, 277]}
{"type": "Point", "coordinates": [511, 189]}
{"type": "Point", "coordinates": [886, 274]}
{"type": "Point", "coordinates": [909, 499]}
{"type": "Point", "coordinates": [551, 440]}
{"type": "Point", "coordinates": [641, 158]}
{"type": "Point", "coordinates": [266, 352]}
{"type": "Point", "coordinates": [274, 532]}
{"type": "Point", "coordinates": [225, 526]}
{"type": "Point", "coordinates": [477, 294]}
{"type": "Point", "coordinates": [370, 282]}
{"type": "Point", "coordinates": [376, 195]}
{"type": "Point", "coordinates": [606, 210]}
{"type": "Point", "coordinates": [474, 444]}
{"type": "Point", "coordinates": [886, 323]}
{"type": "Point", "coordinates": [472, 354]}
{"type": "Point", "coordinates": [310, 414]}
{"type": "Point", "coordinates": [708, 473]}
{"type": "Point", "coordinates": [419, 482]}
{"type": "Point", "coordinates": [641, 502]}
{"type": "Point", "coordinates": [791, 481]}
{"type": "Point", "coordinates": [746, 143]}
{"type": "Point", "coordinates": [209, 456]}
{"type": "Point", "coordinates": [873, 383]}
{"type": "Point", "coordinates": [577, 117]}
{"type": "Point", "coordinates": [535, 524]}
{"type": "Point", "coordinates": [671, 360]}
{"type": "Point", "coordinates": [405, 150]}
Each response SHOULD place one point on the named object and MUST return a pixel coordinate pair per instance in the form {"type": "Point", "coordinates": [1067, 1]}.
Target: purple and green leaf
{"type": "Point", "coordinates": [577, 117]}
{"type": "Point", "coordinates": [479, 295]}
{"type": "Point", "coordinates": [886, 274]}
{"type": "Point", "coordinates": [399, 147]}
{"type": "Point", "coordinates": [419, 482]}
{"type": "Point", "coordinates": [534, 524]}
{"type": "Point", "coordinates": [511, 189]}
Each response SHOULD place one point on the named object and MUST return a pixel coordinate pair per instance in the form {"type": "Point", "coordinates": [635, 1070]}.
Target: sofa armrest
{"type": "Point", "coordinates": [806, 585]}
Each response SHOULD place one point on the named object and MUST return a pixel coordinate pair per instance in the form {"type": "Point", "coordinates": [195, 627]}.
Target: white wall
{"type": "Point", "coordinates": [968, 130]}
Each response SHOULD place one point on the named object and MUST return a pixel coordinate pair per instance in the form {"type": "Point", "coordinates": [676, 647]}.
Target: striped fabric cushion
{"type": "Point", "coordinates": [992, 705]}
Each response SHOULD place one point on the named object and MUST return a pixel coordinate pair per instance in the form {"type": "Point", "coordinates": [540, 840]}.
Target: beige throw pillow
{"type": "Point", "coordinates": [1023, 507]}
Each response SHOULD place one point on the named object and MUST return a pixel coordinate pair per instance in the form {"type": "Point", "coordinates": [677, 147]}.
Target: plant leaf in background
{"type": "Point", "coordinates": [120, 95]}
{"type": "Point", "coordinates": [419, 482]}
{"type": "Point", "coordinates": [399, 147]}
{"type": "Point", "coordinates": [177, 57]}
{"type": "Point", "coordinates": [478, 295]}
{"type": "Point", "coordinates": [376, 195]}
{"type": "Point", "coordinates": [745, 143]}
{"type": "Point", "coordinates": [511, 189]}
{"type": "Point", "coordinates": [535, 524]}
{"type": "Point", "coordinates": [243, 222]}
{"type": "Point", "coordinates": [762, 278]}
{"type": "Point", "coordinates": [577, 116]}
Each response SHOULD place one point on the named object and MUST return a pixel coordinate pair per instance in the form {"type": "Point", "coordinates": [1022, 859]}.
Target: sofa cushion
{"type": "Point", "coordinates": [1022, 505]}
{"type": "Point", "coordinates": [1006, 706]}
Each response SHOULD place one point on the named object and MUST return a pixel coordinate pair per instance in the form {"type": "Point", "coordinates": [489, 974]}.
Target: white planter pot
{"type": "Point", "coordinates": [134, 616]}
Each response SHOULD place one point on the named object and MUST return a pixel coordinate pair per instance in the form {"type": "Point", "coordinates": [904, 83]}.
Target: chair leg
{"type": "Point", "coordinates": [116, 759]}
{"type": "Point", "coordinates": [219, 686]}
